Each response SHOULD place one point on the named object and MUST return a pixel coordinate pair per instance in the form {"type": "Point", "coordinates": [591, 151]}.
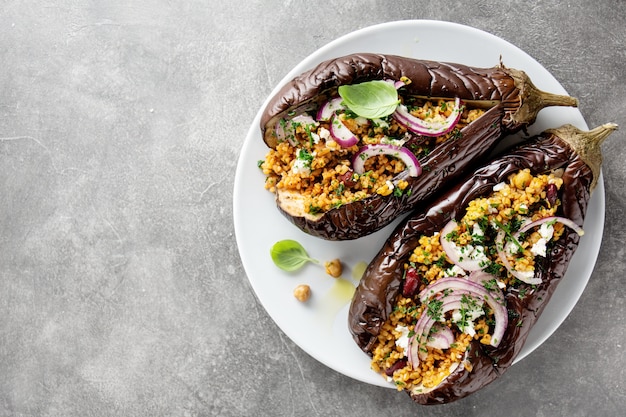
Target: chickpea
{"type": "Point", "coordinates": [334, 268]}
{"type": "Point", "coordinates": [522, 179]}
{"type": "Point", "coordinates": [302, 292]}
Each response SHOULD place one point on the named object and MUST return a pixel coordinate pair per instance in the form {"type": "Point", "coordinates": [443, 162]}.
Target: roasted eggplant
{"type": "Point", "coordinates": [446, 305]}
{"type": "Point", "coordinates": [341, 171]}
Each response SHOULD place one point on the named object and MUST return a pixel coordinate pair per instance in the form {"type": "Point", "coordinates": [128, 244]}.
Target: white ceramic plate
{"type": "Point", "coordinates": [319, 326]}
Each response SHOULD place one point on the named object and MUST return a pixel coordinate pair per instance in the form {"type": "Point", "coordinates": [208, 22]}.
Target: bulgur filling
{"type": "Point", "coordinates": [310, 162]}
{"type": "Point", "coordinates": [517, 221]}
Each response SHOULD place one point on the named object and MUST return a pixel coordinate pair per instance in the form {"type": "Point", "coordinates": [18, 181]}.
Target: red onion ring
{"type": "Point", "coordinates": [563, 220]}
{"type": "Point", "coordinates": [493, 297]}
{"type": "Point", "coordinates": [416, 347]}
{"type": "Point", "coordinates": [341, 134]}
{"type": "Point", "coordinates": [425, 128]}
{"type": "Point", "coordinates": [285, 129]}
{"type": "Point", "coordinates": [410, 160]}
{"type": "Point", "coordinates": [441, 337]}
{"type": "Point", "coordinates": [450, 249]}
{"type": "Point", "coordinates": [329, 108]}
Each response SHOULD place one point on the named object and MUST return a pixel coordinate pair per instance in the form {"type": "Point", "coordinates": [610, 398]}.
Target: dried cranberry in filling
{"type": "Point", "coordinates": [551, 194]}
{"type": "Point", "coordinates": [411, 282]}
{"type": "Point", "coordinates": [348, 179]}
{"type": "Point", "coordinates": [398, 365]}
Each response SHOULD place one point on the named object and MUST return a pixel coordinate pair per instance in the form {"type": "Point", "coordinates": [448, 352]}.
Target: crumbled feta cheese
{"type": "Point", "coordinates": [499, 187]}
{"type": "Point", "coordinates": [479, 254]}
{"type": "Point", "coordinates": [403, 340]}
{"type": "Point", "coordinates": [315, 137]}
{"type": "Point", "coordinates": [539, 248]}
{"type": "Point", "coordinates": [300, 166]}
{"type": "Point", "coordinates": [454, 271]}
{"type": "Point", "coordinates": [324, 133]}
{"type": "Point", "coordinates": [546, 231]}
{"type": "Point", "coordinates": [390, 185]}
{"type": "Point", "coordinates": [465, 320]}
{"type": "Point", "coordinates": [470, 252]}
{"type": "Point", "coordinates": [389, 141]}
{"type": "Point", "coordinates": [511, 248]}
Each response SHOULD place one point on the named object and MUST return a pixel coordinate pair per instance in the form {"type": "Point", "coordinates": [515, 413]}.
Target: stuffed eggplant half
{"type": "Point", "coordinates": [359, 140]}
{"type": "Point", "coordinates": [446, 305]}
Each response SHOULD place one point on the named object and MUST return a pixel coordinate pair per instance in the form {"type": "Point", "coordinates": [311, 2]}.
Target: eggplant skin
{"type": "Point", "coordinates": [428, 79]}
{"type": "Point", "coordinates": [374, 298]}
{"type": "Point", "coordinates": [513, 100]}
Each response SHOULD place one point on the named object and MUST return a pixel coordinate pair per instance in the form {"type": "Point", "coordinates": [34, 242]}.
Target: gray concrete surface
{"type": "Point", "coordinates": [121, 288]}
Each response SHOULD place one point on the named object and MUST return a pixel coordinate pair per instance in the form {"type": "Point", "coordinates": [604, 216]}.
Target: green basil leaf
{"type": "Point", "coordinates": [290, 255]}
{"type": "Point", "coordinates": [370, 99]}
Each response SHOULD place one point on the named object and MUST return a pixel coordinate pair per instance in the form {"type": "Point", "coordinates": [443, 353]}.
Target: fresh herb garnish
{"type": "Point", "coordinates": [507, 229]}
{"type": "Point", "coordinates": [290, 255]}
{"type": "Point", "coordinates": [434, 309]}
{"type": "Point", "coordinates": [306, 156]}
{"type": "Point", "coordinates": [370, 99]}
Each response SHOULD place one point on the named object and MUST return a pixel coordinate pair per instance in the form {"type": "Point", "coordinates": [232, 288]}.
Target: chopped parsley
{"type": "Point", "coordinates": [305, 155]}
{"type": "Point", "coordinates": [434, 309]}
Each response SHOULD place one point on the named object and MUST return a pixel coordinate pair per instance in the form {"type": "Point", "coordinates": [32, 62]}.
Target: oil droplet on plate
{"type": "Point", "coordinates": [358, 270]}
{"type": "Point", "coordinates": [342, 291]}
{"type": "Point", "coordinates": [334, 300]}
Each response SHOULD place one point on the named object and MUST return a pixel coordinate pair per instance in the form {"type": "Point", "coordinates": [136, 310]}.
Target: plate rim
{"type": "Point", "coordinates": [309, 62]}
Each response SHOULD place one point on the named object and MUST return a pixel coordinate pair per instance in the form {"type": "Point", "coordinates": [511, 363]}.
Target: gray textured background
{"type": "Point", "coordinates": [121, 289]}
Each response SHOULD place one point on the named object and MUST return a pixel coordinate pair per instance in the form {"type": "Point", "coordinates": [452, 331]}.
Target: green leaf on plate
{"type": "Point", "coordinates": [370, 99]}
{"type": "Point", "coordinates": [290, 255]}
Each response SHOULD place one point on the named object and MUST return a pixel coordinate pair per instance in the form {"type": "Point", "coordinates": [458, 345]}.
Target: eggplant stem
{"type": "Point", "coordinates": [549, 99]}
{"type": "Point", "coordinates": [532, 99]}
{"type": "Point", "coordinates": [587, 144]}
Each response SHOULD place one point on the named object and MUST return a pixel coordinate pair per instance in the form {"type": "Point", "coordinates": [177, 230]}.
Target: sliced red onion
{"type": "Point", "coordinates": [524, 277]}
{"type": "Point", "coordinates": [417, 343]}
{"type": "Point", "coordinates": [285, 128]}
{"type": "Point", "coordinates": [412, 164]}
{"type": "Point", "coordinates": [452, 292]}
{"type": "Point", "coordinates": [563, 220]}
{"type": "Point", "coordinates": [467, 263]}
{"type": "Point", "coordinates": [302, 119]}
{"type": "Point", "coordinates": [280, 132]}
{"type": "Point", "coordinates": [480, 277]}
{"type": "Point", "coordinates": [426, 128]}
{"type": "Point", "coordinates": [441, 337]}
{"type": "Point", "coordinates": [329, 108]}
{"type": "Point", "coordinates": [413, 352]}
{"type": "Point", "coordinates": [341, 134]}
{"type": "Point", "coordinates": [397, 84]}
{"type": "Point", "coordinates": [449, 286]}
